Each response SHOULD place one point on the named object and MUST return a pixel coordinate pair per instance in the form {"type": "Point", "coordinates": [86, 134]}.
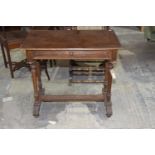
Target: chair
{"type": "Point", "coordinates": [10, 42]}
{"type": "Point", "coordinates": [83, 71]}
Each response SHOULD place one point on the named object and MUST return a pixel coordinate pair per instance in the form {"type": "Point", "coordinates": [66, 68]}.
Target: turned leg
{"type": "Point", "coordinates": [41, 89]}
{"type": "Point", "coordinates": [35, 70]}
{"type": "Point", "coordinates": [107, 88]}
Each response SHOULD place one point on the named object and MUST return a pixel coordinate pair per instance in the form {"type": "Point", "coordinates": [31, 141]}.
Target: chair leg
{"type": "Point", "coordinates": [43, 64]}
{"type": "Point", "coordinates": [10, 63]}
{"type": "Point", "coordinates": [55, 63]}
{"type": "Point", "coordinates": [89, 71]}
{"type": "Point", "coordinates": [4, 56]}
{"type": "Point", "coordinates": [51, 63]}
{"type": "Point", "coordinates": [46, 71]}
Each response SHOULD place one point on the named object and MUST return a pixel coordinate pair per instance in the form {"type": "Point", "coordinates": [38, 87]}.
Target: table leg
{"type": "Point", "coordinates": [41, 89]}
{"type": "Point", "coordinates": [107, 88]}
{"type": "Point", "coordinates": [37, 85]}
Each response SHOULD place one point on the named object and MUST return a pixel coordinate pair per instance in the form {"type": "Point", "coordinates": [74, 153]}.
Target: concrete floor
{"type": "Point", "coordinates": [133, 93]}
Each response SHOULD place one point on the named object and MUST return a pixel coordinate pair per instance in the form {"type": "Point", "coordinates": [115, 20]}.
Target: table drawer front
{"type": "Point", "coordinates": [92, 54]}
{"type": "Point", "coordinates": [50, 53]}
{"type": "Point", "coordinates": [72, 54]}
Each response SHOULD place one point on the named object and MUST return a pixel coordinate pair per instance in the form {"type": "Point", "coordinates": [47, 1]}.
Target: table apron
{"type": "Point", "coordinates": [63, 55]}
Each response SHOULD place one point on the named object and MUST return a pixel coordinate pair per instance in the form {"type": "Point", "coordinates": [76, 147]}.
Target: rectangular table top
{"type": "Point", "coordinates": [71, 40]}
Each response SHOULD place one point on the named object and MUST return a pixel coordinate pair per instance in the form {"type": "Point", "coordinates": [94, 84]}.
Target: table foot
{"type": "Point", "coordinates": [108, 114]}
{"type": "Point", "coordinates": [109, 109]}
{"type": "Point", "coordinates": [36, 109]}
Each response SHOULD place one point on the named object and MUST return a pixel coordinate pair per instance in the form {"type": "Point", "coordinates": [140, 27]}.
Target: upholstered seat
{"type": "Point", "coordinates": [17, 54]}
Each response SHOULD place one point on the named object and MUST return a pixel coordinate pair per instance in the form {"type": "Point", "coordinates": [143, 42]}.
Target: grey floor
{"type": "Point", "coordinates": [133, 93]}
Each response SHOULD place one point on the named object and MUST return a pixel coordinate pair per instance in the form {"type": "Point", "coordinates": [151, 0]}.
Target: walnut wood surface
{"type": "Point", "coordinates": [74, 44]}
{"type": "Point", "coordinates": [62, 98]}
{"type": "Point", "coordinates": [75, 39]}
